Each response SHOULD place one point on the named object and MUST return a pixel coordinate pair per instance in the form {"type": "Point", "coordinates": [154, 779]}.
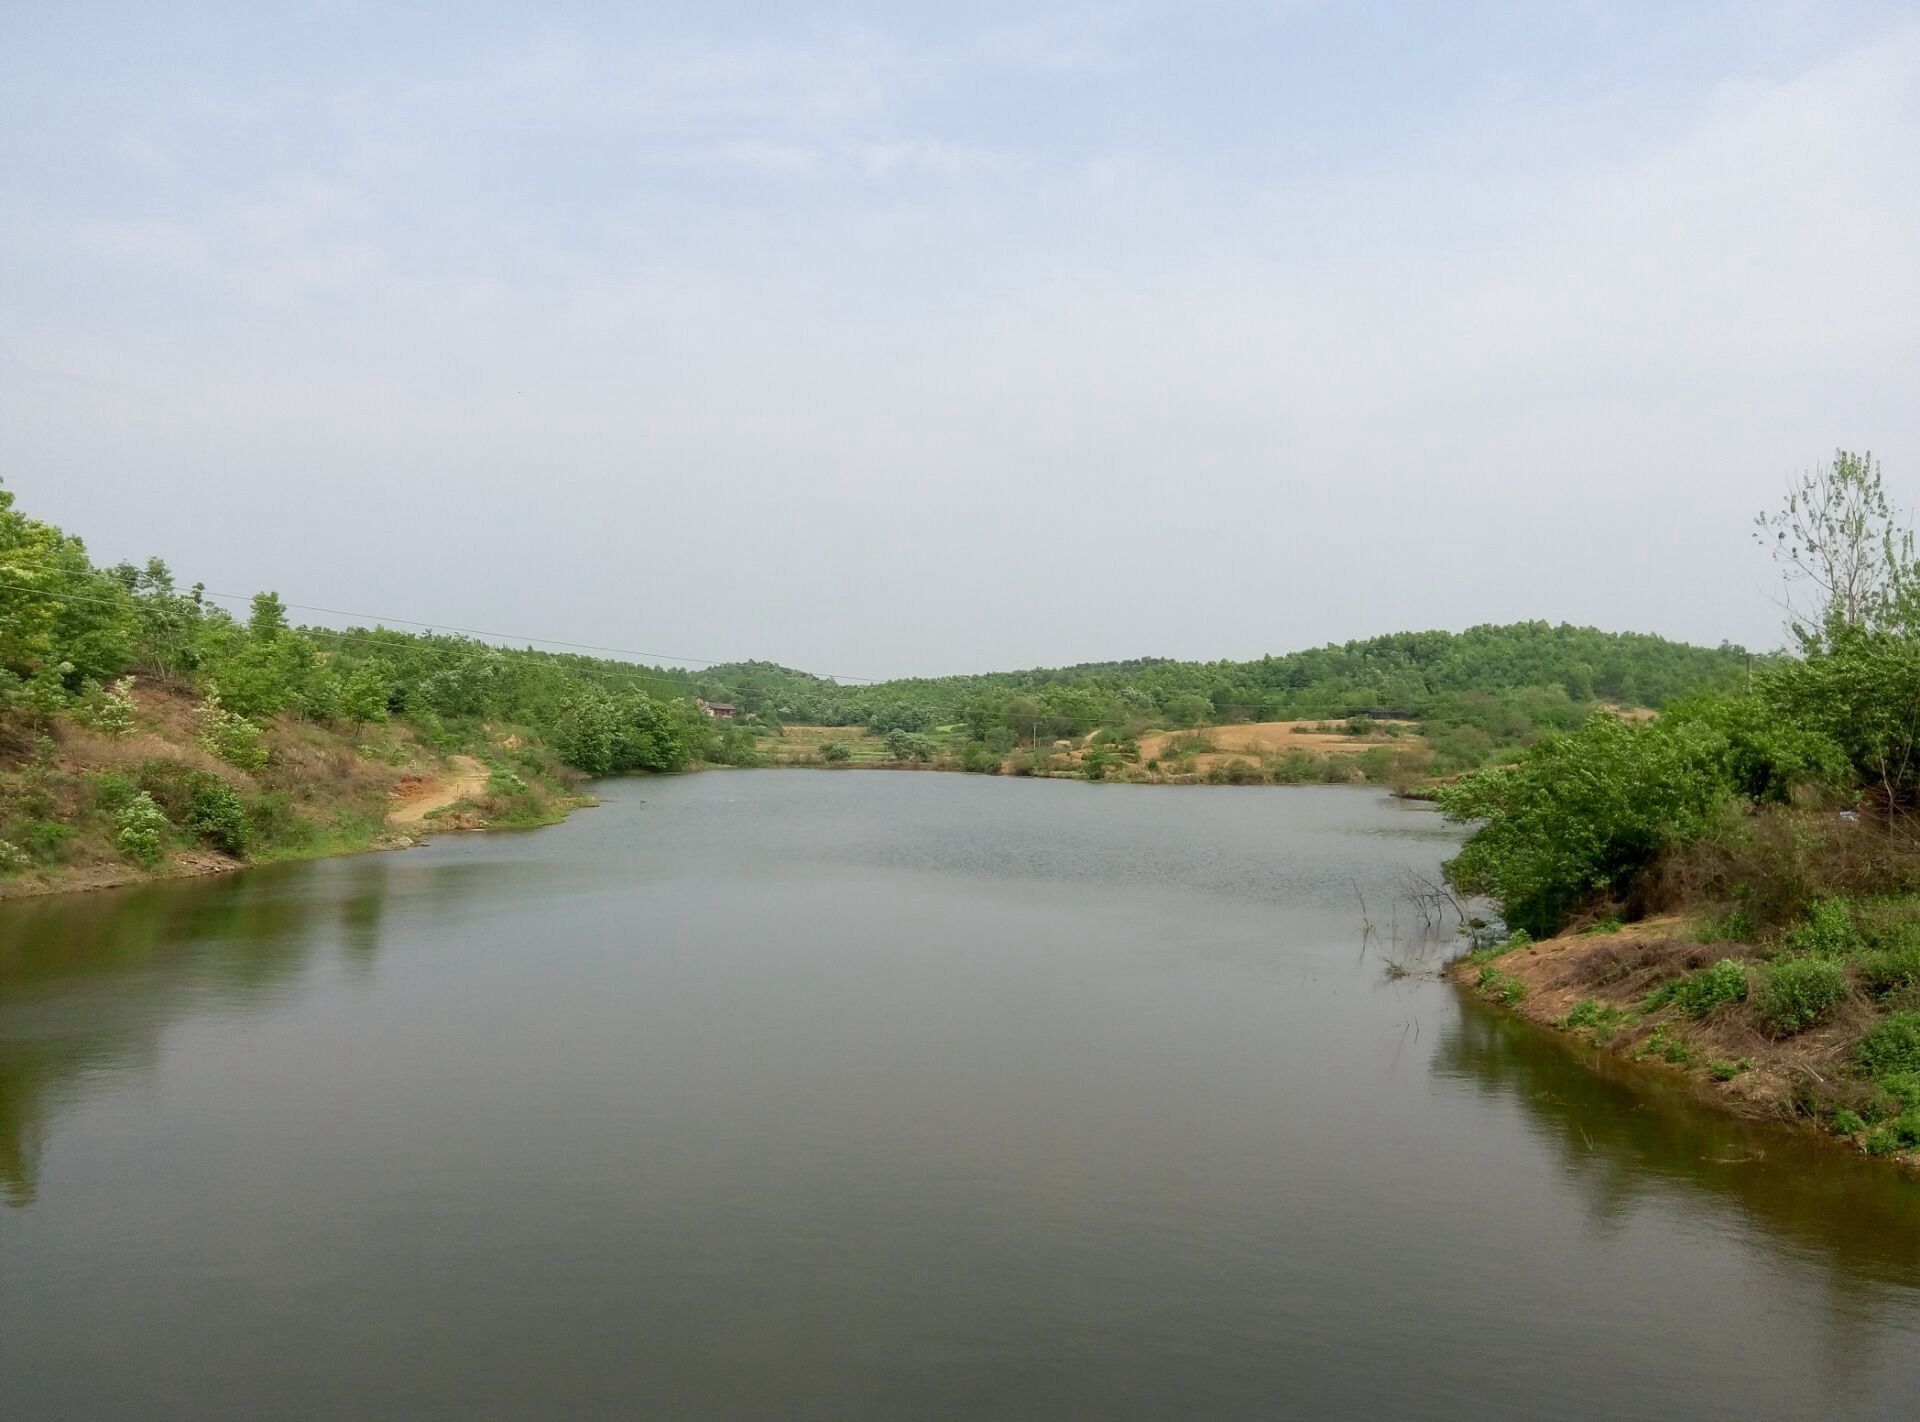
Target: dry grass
{"type": "Point", "coordinates": [1262, 738]}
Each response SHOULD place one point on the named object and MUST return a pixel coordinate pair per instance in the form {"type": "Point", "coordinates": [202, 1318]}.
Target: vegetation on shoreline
{"type": "Point", "coordinates": [1775, 825]}
{"type": "Point", "coordinates": [145, 731]}
{"type": "Point", "coordinates": [1475, 696]}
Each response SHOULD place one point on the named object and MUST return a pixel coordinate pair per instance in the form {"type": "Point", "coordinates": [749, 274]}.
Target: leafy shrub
{"type": "Point", "coordinates": [111, 790]}
{"type": "Point", "coordinates": [1891, 1048]}
{"type": "Point", "coordinates": [504, 782]}
{"type": "Point", "coordinates": [903, 744]}
{"type": "Point", "coordinates": [218, 817]}
{"type": "Point", "coordinates": [171, 783]}
{"type": "Point", "coordinates": [1901, 1133]}
{"type": "Point", "coordinates": [141, 828]}
{"type": "Point", "coordinates": [1502, 987]}
{"type": "Point", "coordinates": [1727, 1071]}
{"type": "Point", "coordinates": [976, 757]}
{"type": "Point", "coordinates": [1586, 1013]}
{"type": "Point", "coordinates": [1797, 993]}
{"type": "Point", "coordinates": [42, 838]}
{"type": "Point", "coordinates": [232, 737]}
{"type": "Point", "coordinates": [110, 710]}
{"type": "Point", "coordinates": [13, 858]}
{"type": "Point", "coordinates": [834, 752]}
{"type": "Point", "coordinates": [1891, 969]}
{"type": "Point", "coordinates": [1828, 930]}
{"type": "Point", "coordinates": [1701, 992]}
{"type": "Point", "coordinates": [1848, 1122]}
{"type": "Point", "coordinates": [1731, 927]}
{"type": "Point", "coordinates": [1242, 772]}
{"type": "Point", "coordinates": [1581, 814]}
{"type": "Point", "coordinates": [1902, 1089]}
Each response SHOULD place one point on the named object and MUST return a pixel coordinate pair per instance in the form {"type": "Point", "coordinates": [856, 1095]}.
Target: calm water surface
{"type": "Point", "coordinates": [798, 1095]}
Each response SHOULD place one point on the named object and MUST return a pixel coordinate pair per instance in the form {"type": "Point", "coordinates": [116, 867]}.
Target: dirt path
{"type": "Point", "coordinates": [414, 808]}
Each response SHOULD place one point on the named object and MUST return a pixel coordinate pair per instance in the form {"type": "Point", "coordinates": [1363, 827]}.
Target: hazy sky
{"type": "Point", "coordinates": [889, 339]}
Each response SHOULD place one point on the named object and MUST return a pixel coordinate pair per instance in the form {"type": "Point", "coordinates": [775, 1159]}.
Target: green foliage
{"type": "Point", "coordinates": [1701, 992]}
{"type": "Point", "coordinates": [1891, 1048]}
{"type": "Point", "coordinates": [110, 710]}
{"type": "Point", "coordinates": [1581, 814]}
{"type": "Point", "coordinates": [1731, 927]}
{"type": "Point", "coordinates": [604, 734]}
{"type": "Point", "coordinates": [1727, 1071]}
{"type": "Point", "coordinates": [170, 783]}
{"type": "Point", "coordinates": [1502, 987]}
{"type": "Point", "coordinates": [230, 736]}
{"type": "Point", "coordinates": [1901, 1133]}
{"type": "Point", "coordinates": [905, 745]}
{"type": "Point", "coordinates": [140, 830]}
{"type": "Point", "coordinates": [217, 816]}
{"type": "Point", "coordinates": [586, 732]}
{"type": "Point", "coordinates": [1766, 752]}
{"type": "Point", "coordinates": [978, 757]}
{"type": "Point", "coordinates": [1890, 970]}
{"type": "Point", "coordinates": [1794, 994]}
{"type": "Point", "coordinates": [503, 782]}
{"type": "Point", "coordinates": [13, 858]}
{"type": "Point", "coordinates": [1840, 537]}
{"type": "Point", "coordinates": [834, 752]}
{"type": "Point", "coordinates": [1858, 691]}
{"type": "Point", "coordinates": [1848, 1122]}
{"type": "Point", "coordinates": [1827, 931]}
{"type": "Point", "coordinates": [63, 622]}
{"type": "Point", "coordinates": [1599, 1021]}
{"type": "Point", "coordinates": [366, 693]}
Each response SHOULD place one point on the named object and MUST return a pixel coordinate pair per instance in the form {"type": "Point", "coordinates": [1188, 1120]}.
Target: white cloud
{"type": "Point", "coordinates": [1113, 400]}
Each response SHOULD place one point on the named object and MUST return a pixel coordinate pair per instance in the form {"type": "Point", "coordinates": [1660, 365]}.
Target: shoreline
{"type": "Point", "coordinates": [408, 832]}
{"type": "Point", "coordinates": [1593, 988]}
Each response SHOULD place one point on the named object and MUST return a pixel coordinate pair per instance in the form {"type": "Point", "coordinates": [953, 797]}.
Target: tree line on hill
{"type": "Point", "coordinates": [70, 629]}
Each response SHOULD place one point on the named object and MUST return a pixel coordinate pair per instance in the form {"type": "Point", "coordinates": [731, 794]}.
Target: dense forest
{"type": "Point", "coordinates": [1429, 675]}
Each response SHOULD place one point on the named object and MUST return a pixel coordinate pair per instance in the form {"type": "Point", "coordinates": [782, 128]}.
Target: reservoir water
{"type": "Point", "coordinates": [784, 1094]}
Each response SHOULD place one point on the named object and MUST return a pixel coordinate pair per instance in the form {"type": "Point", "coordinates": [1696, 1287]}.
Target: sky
{"type": "Point", "coordinates": [883, 340]}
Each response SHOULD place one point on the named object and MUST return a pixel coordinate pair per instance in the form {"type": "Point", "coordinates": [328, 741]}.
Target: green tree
{"type": "Point", "coordinates": [1581, 814]}
{"type": "Point", "coordinates": [365, 694]}
{"type": "Point", "coordinates": [1839, 539]}
{"type": "Point", "coordinates": [587, 732]}
{"type": "Point", "coordinates": [59, 615]}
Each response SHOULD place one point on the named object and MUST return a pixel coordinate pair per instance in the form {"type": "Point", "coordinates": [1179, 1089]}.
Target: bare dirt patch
{"type": "Point", "coordinates": [1217, 745]}
{"type": "Point", "coordinates": [1617, 970]}
{"type": "Point", "coordinates": [414, 801]}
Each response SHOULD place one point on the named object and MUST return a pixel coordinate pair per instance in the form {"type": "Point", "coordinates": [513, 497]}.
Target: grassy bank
{"type": "Point", "coordinates": [1757, 849]}
{"type": "Point", "coordinates": [1817, 1025]}
{"type": "Point", "coordinates": [165, 790]}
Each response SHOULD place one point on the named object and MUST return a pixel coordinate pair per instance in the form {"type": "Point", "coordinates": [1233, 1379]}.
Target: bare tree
{"type": "Point", "coordinates": [1839, 535]}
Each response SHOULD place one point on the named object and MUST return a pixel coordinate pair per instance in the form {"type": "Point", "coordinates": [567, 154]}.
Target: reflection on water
{"type": "Point", "coordinates": [1623, 1137]}
{"type": "Point", "coordinates": [89, 983]}
{"type": "Point", "coordinates": [796, 1095]}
